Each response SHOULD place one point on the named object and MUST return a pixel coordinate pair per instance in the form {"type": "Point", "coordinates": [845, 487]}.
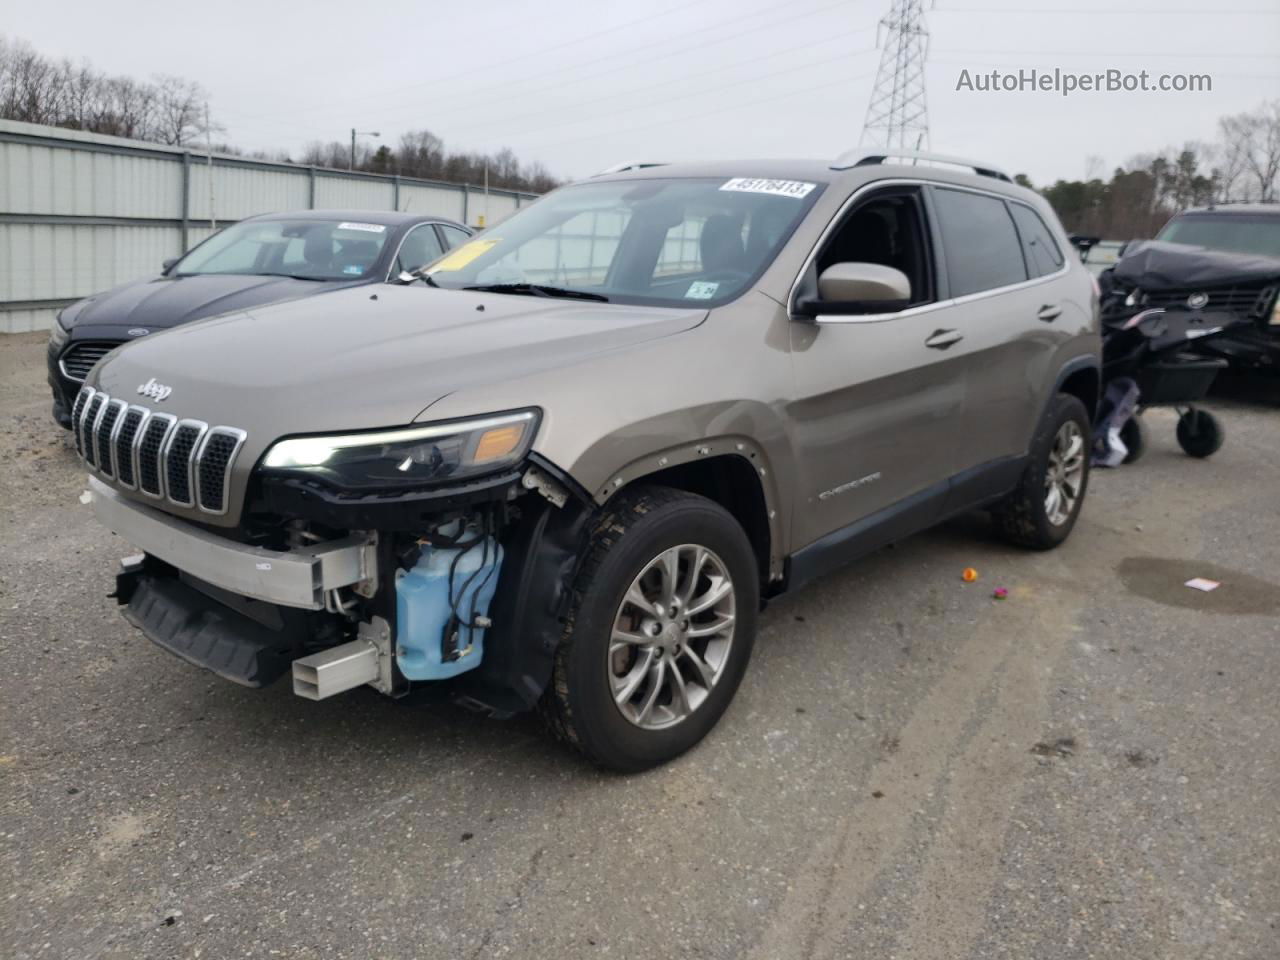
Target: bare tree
{"type": "Point", "coordinates": [179, 110]}
{"type": "Point", "coordinates": [172, 110]}
{"type": "Point", "coordinates": [1251, 152]}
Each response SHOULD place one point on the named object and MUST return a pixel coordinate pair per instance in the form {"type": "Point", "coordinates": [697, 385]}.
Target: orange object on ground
{"type": "Point", "coordinates": [969, 575]}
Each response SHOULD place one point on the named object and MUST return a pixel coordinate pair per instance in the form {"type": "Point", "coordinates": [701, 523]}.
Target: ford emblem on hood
{"type": "Point", "coordinates": [156, 391]}
{"type": "Point", "coordinates": [138, 332]}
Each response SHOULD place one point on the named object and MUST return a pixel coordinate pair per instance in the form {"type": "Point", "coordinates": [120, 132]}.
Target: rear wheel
{"type": "Point", "coordinates": [660, 633]}
{"type": "Point", "coordinates": [1042, 511]}
{"type": "Point", "coordinates": [1134, 437]}
{"type": "Point", "coordinates": [1200, 434]}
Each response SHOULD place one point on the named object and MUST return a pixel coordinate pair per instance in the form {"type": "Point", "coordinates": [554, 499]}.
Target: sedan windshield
{"type": "Point", "coordinates": [1235, 234]}
{"type": "Point", "coordinates": [305, 249]}
{"type": "Point", "coordinates": [687, 242]}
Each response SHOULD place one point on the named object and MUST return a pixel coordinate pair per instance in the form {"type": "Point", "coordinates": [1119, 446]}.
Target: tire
{"type": "Point", "coordinates": [1200, 433]}
{"type": "Point", "coordinates": [1024, 517]}
{"type": "Point", "coordinates": [1134, 436]}
{"type": "Point", "coordinates": [637, 531]}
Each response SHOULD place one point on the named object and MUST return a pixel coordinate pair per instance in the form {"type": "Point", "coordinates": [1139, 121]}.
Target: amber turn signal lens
{"type": "Point", "coordinates": [499, 442]}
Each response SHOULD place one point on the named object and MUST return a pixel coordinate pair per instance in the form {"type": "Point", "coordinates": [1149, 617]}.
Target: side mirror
{"type": "Point", "coordinates": [167, 265]}
{"type": "Point", "coordinates": [406, 277]}
{"type": "Point", "coordinates": [853, 288]}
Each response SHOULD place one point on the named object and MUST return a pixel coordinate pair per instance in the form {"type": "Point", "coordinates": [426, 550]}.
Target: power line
{"type": "Point", "coordinates": [1117, 55]}
{"type": "Point", "coordinates": [1006, 65]}
{"type": "Point", "coordinates": [752, 104]}
{"type": "Point", "coordinates": [503, 90]}
{"type": "Point", "coordinates": [807, 64]}
{"type": "Point", "coordinates": [1112, 11]}
{"type": "Point", "coordinates": [540, 51]}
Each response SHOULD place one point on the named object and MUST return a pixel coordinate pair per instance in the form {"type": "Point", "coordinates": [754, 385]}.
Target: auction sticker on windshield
{"type": "Point", "coordinates": [701, 290]}
{"type": "Point", "coordinates": [464, 254]}
{"type": "Point", "coordinates": [366, 227]}
{"type": "Point", "coordinates": [778, 188]}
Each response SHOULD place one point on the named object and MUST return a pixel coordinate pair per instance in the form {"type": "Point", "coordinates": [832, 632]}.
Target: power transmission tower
{"type": "Point", "coordinates": [897, 115]}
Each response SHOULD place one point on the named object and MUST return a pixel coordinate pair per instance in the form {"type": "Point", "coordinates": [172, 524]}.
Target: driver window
{"type": "Point", "coordinates": [886, 230]}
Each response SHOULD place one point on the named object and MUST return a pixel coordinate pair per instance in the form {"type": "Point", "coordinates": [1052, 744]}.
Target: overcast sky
{"type": "Point", "coordinates": [582, 84]}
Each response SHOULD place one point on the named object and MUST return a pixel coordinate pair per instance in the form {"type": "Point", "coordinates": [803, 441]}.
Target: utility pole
{"type": "Point", "coordinates": [359, 133]}
{"type": "Point", "coordinates": [208, 144]}
{"type": "Point", "coordinates": [896, 114]}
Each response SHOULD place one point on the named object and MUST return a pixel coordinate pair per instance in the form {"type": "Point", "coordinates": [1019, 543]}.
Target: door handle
{"type": "Point", "coordinates": [941, 339]}
{"type": "Point", "coordinates": [1049, 312]}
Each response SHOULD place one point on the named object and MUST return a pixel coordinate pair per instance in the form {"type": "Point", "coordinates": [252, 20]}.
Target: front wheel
{"type": "Point", "coordinates": [1042, 510]}
{"type": "Point", "coordinates": [661, 629]}
{"type": "Point", "coordinates": [1199, 433]}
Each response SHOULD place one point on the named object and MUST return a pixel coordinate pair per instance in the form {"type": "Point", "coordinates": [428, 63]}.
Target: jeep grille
{"type": "Point", "coordinates": [186, 462]}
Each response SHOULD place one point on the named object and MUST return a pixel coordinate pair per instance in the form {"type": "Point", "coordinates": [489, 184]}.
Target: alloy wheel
{"type": "Point", "coordinates": [1064, 475]}
{"type": "Point", "coordinates": [671, 636]}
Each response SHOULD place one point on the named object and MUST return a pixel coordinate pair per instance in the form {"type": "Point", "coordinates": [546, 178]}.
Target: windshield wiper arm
{"type": "Point", "coordinates": [290, 276]}
{"type": "Point", "coordinates": [419, 274]}
{"type": "Point", "coordinates": [540, 290]}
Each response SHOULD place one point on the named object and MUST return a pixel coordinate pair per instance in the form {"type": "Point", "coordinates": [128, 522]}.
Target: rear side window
{"type": "Point", "coordinates": [980, 243]}
{"type": "Point", "coordinates": [1043, 255]}
{"type": "Point", "coordinates": [453, 236]}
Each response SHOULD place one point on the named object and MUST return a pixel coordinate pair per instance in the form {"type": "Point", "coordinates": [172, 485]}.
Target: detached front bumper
{"type": "Point", "coordinates": [294, 578]}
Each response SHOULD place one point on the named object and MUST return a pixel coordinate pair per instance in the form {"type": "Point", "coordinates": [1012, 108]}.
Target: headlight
{"type": "Point", "coordinates": [409, 456]}
{"type": "Point", "coordinates": [1275, 313]}
{"type": "Point", "coordinates": [58, 335]}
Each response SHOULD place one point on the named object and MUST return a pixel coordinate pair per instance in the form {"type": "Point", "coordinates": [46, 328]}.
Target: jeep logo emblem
{"type": "Point", "coordinates": [156, 391]}
{"type": "Point", "coordinates": [1197, 300]}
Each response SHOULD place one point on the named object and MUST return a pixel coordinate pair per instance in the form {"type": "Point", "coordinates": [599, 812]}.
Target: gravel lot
{"type": "Point", "coordinates": [911, 769]}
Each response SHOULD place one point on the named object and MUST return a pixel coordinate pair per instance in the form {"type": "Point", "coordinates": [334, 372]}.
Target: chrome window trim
{"type": "Point", "coordinates": [111, 439]}
{"type": "Point", "coordinates": [391, 267]}
{"type": "Point", "coordinates": [133, 446]}
{"type": "Point", "coordinates": [198, 451]}
{"type": "Point", "coordinates": [203, 428]}
{"type": "Point", "coordinates": [831, 319]}
{"type": "Point", "coordinates": [160, 455]}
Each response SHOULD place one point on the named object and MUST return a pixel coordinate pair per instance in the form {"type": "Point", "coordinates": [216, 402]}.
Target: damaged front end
{"type": "Point", "coordinates": [1243, 289]}
{"type": "Point", "coordinates": [431, 558]}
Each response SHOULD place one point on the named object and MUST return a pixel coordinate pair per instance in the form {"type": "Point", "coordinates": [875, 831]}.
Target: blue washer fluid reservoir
{"type": "Point", "coordinates": [423, 611]}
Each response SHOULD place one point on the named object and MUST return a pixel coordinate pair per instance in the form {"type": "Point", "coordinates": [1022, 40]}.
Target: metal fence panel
{"type": "Point", "coordinates": [240, 192]}
{"type": "Point", "coordinates": [439, 200]}
{"type": "Point", "coordinates": [81, 213]}
{"type": "Point", "coordinates": [344, 193]}
{"type": "Point", "coordinates": [40, 179]}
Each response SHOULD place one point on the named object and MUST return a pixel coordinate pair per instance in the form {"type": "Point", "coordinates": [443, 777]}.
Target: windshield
{"type": "Point", "coordinates": [1235, 234]}
{"type": "Point", "coordinates": [307, 249]}
{"type": "Point", "coordinates": [667, 241]}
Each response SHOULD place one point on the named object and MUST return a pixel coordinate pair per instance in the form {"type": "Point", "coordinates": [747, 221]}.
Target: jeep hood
{"type": "Point", "coordinates": [367, 357]}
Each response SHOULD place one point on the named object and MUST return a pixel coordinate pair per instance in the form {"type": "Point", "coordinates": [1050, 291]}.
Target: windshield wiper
{"type": "Point", "coordinates": [290, 276]}
{"type": "Point", "coordinates": [540, 290]}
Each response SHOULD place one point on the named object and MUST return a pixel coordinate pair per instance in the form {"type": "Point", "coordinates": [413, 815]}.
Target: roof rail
{"type": "Point", "coordinates": [630, 165]}
{"type": "Point", "coordinates": [874, 155]}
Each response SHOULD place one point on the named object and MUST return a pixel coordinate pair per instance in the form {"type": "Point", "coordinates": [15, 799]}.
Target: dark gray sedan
{"type": "Point", "coordinates": [265, 259]}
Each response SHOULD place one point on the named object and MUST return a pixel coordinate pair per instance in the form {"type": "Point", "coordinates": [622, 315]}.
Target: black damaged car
{"type": "Point", "coordinates": [1222, 259]}
{"type": "Point", "coordinates": [256, 261]}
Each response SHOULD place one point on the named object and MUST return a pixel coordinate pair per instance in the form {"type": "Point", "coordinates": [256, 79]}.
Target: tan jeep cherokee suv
{"type": "Point", "coordinates": [564, 465]}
